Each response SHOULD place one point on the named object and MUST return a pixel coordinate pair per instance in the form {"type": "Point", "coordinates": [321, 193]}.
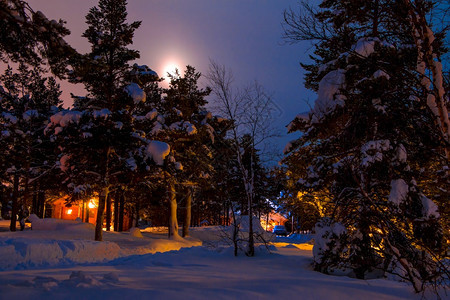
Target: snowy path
{"type": "Point", "coordinates": [62, 262]}
{"type": "Point", "coordinates": [197, 273]}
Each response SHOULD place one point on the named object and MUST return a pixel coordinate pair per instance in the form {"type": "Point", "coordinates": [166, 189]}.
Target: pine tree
{"type": "Point", "coordinates": [137, 184]}
{"type": "Point", "coordinates": [29, 37]}
{"type": "Point", "coordinates": [103, 71]}
{"type": "Point", "coordinates": [190, 135]}
{"type": "Point", "coordinates": [27, 101]}
{"type": "Point", "coordinates": [367, 144]}
{"type": "Point", "coordinates": [98, 140]}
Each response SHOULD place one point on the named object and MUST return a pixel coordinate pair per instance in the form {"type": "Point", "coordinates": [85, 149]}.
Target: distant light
{"type": "Point", "coordinates": [69, 211]}
{"type": "Point", "coordinates": [91, 204]}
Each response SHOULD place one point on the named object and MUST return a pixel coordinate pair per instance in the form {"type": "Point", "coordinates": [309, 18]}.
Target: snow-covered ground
{"type": "Point", "coordinates": [60, 261]}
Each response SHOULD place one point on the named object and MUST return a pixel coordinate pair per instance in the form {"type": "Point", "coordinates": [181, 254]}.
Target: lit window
{"type": "Point", "coordinates": [69, 211]}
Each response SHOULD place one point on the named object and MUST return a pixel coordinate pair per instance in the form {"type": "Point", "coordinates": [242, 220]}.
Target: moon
{"type": "Point", "coordinates": [170, 68]}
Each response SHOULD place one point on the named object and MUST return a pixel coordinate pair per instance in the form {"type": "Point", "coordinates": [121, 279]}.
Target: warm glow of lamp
{"type": "Point", "coordinates": [69, 211]}
{"type": "Point", "coordinates": [91, 204]}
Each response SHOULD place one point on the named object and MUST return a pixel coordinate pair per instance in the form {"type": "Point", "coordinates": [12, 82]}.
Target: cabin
{"type": "Point", "coordinates": [269, 221]}
{"type": "Point", "coordinates": [85, 210]}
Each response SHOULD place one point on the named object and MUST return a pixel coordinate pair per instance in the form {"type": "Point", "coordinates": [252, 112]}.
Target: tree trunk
{"type": "Point", "coordinates": [35, 201]}
{"type": "Point", "coordinates": [131, 218]}
{"type": "Point", "coordinates": [100, 212]}
{"type": "Point", "coordinates": [116, 211]}
{"type": "Point", "coordinates": [228, 214]}
{"type": "Point", "coordinates": [187, 220]}
{"type": "Point", "coordinates": [121, 210]}
{"type": "Point", "coordinates": [86, 220]}
{"type": "Point", "coordinates": [173, 222]}
{"type": "Point", "coordinates": [83, 208]}
{"type": "Point", "coordinates": [14, 200]}
{"type": "Point", "coordinates": [41, 203]}
{"type": "Point", "coordinates": [251, 241]}
{"type": "Point", "coordinates": [427, 60]}
{"type": "Point", "coordinates": [26, 190]}
{"type": "Point", "coordinates": [108, 213]}
{"type": "Point", "coordinates": [136, 213]}
{"type": "Point", "coordinates": [250, 186]}
{"type": "Point", "coordinates": [235, 236]}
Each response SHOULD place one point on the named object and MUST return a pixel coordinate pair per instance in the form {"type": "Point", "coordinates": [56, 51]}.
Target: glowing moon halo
{"type": "Point", "coordinates": [170, 69]}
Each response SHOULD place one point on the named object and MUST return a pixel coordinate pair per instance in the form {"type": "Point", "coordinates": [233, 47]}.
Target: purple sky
{"type": "Point", "coordinates": [243, 35]}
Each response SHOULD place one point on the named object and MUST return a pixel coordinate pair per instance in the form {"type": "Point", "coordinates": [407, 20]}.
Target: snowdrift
{"type": "Point", "coordinates": [40, 247]}
{"type": "Point", "coordinates": [54, 242]}
{"type": "Point", "coordinates": [21, 253]}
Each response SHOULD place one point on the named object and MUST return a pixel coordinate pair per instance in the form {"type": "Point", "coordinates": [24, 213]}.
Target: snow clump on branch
{"type": "Point", "coordinates": [158, 151]}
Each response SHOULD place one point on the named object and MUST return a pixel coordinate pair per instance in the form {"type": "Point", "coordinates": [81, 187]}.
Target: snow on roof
{"type": "Point", "coordinates": [158, 151]}
{"type": "Point", "coordinates": [328, 96]}
{"type": "Point", "coordinates": [135, 92]}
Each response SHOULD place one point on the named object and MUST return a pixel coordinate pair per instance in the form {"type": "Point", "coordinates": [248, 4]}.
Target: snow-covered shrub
{"type": "Point", "coordinates": [330, 242]}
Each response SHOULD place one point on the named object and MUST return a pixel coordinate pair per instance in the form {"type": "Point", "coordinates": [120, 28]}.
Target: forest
{"type": "Point", "coordinates": [368, 174]}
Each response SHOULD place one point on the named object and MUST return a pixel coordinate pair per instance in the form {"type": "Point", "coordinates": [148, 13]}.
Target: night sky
{"type": "Point", "coordinates": [246, 36]}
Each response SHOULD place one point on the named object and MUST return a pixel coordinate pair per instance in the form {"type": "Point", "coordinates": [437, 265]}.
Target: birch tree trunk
{"type": "Point", "coordinates": [427, 59]}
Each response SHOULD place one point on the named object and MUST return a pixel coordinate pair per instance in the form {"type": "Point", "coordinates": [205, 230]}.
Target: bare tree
{"type": "Point", "coordinates": [250, 111]}
{"type": "Point", "coordinates": [302, 25]}
{"type": "Point", "coordinates": [429, 61]}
